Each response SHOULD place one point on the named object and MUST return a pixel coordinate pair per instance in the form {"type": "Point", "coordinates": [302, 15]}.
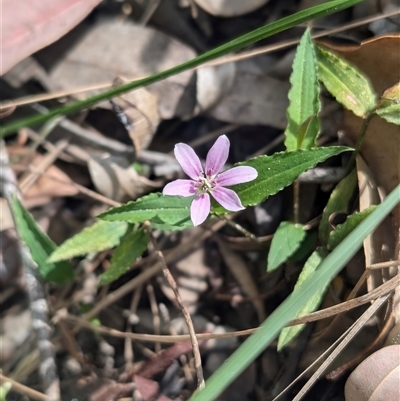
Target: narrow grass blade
{"type": "Point", "coordinates": [290, 21]}
{"type": "Point", "coordinates": [269, 330]}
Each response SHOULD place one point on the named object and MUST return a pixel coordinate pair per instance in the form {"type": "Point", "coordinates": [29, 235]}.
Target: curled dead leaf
{"type": "Point", "coordinates": [138, 112]}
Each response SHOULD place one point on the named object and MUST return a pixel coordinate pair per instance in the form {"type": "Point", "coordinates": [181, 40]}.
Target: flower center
{"type": "Point", "coordinates": [205, 183]}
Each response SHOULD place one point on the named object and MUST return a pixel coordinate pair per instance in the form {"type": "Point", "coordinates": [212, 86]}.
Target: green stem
{"type": "Point", "coordinates": [290, 21]}
{"type": "Point", "coordinates": [360, 140]}
{"type": "Point", "coordinates": [240, 229]}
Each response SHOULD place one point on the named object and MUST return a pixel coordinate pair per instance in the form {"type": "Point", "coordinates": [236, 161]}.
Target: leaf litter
{"type": "Point", "coordinates": [72, 171]}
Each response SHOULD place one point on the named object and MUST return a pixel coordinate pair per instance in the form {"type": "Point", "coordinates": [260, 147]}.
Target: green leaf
{"type": "Point", "coordinates": [348, 85]}
{"type": "Point", "coordinates": [274, 173]}
{"type": "Point", "coordinates": [289, 333]}
{"type": "Point", "coordinates": [338, 202]}
{"type": "Point", "coordinates": [100, 236]}
{"type": "Point", "coordinates": [303, 95]}
{"type": "Point", "coordinates": [171, 210]}
{"type": "Point", "coordinates": [308, 132]}
{"type": "Point", "coordinates": [343, 230]}
{"type": "Point", "coordinates": [389, 105]}
{"type": "Point", "coordinates": [286, 241]}
{"type": "Point", "coordinates": [40, 246]}
{"type": "Point", "coordinates": [278, 171]}
{"type": "Point", "coordinates": [233, 45]}
{"type": "Point", "coordinates": [131, 247]}
{"type": "Point", "coordinates": [307, 246]}
{"type": "Point", "coordinates": [157, 224]}
{"type": "Point", "coordinates": [254, 345]}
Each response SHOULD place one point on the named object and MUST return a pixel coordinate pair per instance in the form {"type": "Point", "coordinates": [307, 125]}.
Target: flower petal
{"type": "Point", "coordinates": [188, 160]}
{"type": "Point", "coordinates": [200, 209]}
{"type": "Point", "coordinates": [180, 188]}
{"type": "Point", "coordinates": [237, 175]}
{"type": "Point", "coordinates": [217, 156]}
{"type": "Point", "coordinates": [227, 198]}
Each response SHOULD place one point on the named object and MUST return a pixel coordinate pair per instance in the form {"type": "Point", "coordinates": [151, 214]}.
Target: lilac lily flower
{"type": "Point", "coordinates": [209, 180]}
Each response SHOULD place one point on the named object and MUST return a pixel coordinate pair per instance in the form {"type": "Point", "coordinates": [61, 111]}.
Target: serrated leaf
{"type": "Point", "coordinates": [277, 172]}
{"type": "Point", "coordinates": [100, 236]}
{"type": "Point", "coordinates": [170, 210]}
{"type": "Point", "coordinates": [289, 333]}
{"type": "Point", "coordinates": [286, 241]}
{"type": "Point", "coordinates": [338, 202]}
{"type": "Point", "coordinates": [303, 95]}
{"type": "Point", "coordinates": [131, 247]}
{"type": "Point", "coordinates": [40, 246]}
{"type": "Point", "coordinates": [343, 230]}
{"type": "Point", "coordinates": [348, 85]}
{"type": "Point", "coordinates": [389, 105]}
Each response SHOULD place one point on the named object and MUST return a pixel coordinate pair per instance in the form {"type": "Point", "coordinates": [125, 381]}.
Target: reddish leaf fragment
{"type": "Point", "coordinates": [29, 25]}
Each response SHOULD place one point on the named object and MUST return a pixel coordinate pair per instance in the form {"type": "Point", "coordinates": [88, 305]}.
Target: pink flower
{"type": "Point", "coordinates": [208, 180]}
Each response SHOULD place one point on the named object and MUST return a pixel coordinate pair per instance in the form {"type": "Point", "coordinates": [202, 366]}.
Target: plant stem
{"type": "Point", "coordinates": [360, 140]}
{"type": "Point", "coordinates": [179, 300]}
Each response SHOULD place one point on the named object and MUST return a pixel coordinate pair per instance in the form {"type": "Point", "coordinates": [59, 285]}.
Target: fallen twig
{"type": "Point", "coordinates": [179, 300]}
{"type": "Point", "coordinates": [25, 390]}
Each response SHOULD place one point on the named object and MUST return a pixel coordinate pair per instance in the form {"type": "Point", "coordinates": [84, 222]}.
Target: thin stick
{"type": "Point", "coordinates": [223, 60]}
{"type": "Point", "coordinates": [341, 370]}
{"type": "Point", "coordinates": [24, 390]}
{"type": "Point", "coordinates": [360, 323]}
{"type": "Point", "coordinates": [151, 7]}
{"type": "Point", "coordinates": [128, 350]}
{"type": "Point", "coordinates": [29, 179]}
{"type": "Point", "coordinates": [288, 43]}
{"type": "Point", "coordinates": [381, 291]}
{"type": "Point", "coordinates": [123, 290]}
{"type": "Point", "coordinates": [156, 314]}
{"type": "Point", "coordinates": [149, 272]}
{"type": "Point", "coordinates": [239, 228]}
{"type": "Point", "coordinates": [383, 265]}
{"type": "Point", "coordinates": [179, 300]}
{"type": "Point", "coordinates": [360, 140]}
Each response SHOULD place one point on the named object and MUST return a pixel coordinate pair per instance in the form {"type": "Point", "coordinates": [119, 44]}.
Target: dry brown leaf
{"type": "Point", "coordinates": [373, 245]}
{"type": "Point", "coordinates": [140, 107]}
{"type": "Point", "coordinates": [254, 98]}
{"type": "Point", "coordinates": [212, 83]}
{"type": "Point", "coordinates": [112, 49]}
{"type": "Point", "coordinates": [191, 277]}
{"type": "Point", "coordinates": [29, 25]}
{"type": "Point", "coordinates": [240, 271]}
{"type": "Point", "coordinates": [54, 183]}
{"type": "Point", "coordinates": [379, 59]}
{"type": "Point", "coordinates": [149, 390]}
{"type": "Point", "coordinates": [162, 360]}
{"type": "Point", "coordinates": [230, 8]}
